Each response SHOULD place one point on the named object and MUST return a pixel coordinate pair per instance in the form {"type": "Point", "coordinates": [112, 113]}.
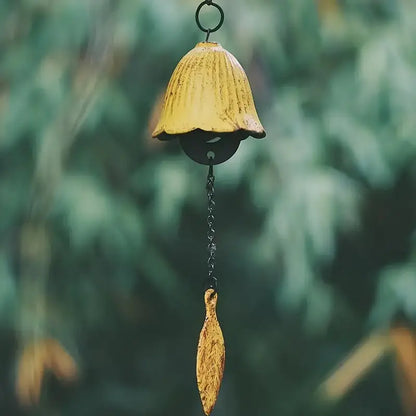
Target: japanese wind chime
{"type": "Point", "coordinates": [209, 107]}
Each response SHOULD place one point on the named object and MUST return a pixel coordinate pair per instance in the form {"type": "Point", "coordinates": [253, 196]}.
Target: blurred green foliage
{"type": "Point", "coordinates": [315, 223]}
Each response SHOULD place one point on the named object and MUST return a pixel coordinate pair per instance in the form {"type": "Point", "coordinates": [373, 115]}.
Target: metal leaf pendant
{"type": "Point", "coordinates": [211, 355]}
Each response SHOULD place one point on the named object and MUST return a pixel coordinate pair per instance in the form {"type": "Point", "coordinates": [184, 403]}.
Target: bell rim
{"type": "Point", "coordinates": [163, 135]}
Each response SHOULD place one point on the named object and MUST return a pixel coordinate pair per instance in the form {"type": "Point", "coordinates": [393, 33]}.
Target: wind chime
{"type": "Point", "coordinates": [209, 107]}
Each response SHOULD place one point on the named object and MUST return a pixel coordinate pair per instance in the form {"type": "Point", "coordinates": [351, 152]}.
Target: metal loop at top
{"type": "Point", "coordinates": [198, 22]}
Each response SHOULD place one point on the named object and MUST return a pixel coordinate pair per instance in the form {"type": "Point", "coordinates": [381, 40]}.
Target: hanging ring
{"type": "Point", "coordinates": [198, 22]}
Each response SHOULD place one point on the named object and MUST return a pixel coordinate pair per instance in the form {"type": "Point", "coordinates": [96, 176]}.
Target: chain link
{"type": "Point", "coordinates": [212, 247]}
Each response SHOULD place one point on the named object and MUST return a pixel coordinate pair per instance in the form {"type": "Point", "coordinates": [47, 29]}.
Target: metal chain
{"type": "Point", "coordinates": [212, 282]}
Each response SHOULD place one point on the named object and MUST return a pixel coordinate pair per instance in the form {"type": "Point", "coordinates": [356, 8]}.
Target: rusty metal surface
{"type": "Point", "coordinates": [209, 91]}
{"type": "Point", "coordinates": [211, 355]}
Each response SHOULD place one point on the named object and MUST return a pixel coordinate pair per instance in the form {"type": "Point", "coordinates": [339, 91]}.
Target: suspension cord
{"type": "Point", "coordinates": [212, 282]}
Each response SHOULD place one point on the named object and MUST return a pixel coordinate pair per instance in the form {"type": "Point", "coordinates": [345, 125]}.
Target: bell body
{"type": "Point", "coordinates": [209, 97]}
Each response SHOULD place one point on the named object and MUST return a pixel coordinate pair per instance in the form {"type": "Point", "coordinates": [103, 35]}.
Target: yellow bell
{"type": "Point", "coordinates": [209, 105]}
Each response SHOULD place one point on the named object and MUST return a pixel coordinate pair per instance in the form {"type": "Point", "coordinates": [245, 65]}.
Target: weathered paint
{"type": "Point", "coordinates": [211, 355]}
{"type": "Point", "coordinates": [208, 90]}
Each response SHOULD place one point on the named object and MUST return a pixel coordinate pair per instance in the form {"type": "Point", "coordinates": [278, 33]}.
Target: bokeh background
{"type": "Point", "coordinates": [103, 229]}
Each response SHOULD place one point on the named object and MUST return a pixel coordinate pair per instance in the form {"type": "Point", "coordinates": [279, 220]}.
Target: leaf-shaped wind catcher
{"type": "Point", "coordinates": [211, 355]}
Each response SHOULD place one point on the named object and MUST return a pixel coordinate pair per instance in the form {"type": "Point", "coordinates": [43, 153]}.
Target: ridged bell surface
{"type": "Point", "coordinates": [208, 91]}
